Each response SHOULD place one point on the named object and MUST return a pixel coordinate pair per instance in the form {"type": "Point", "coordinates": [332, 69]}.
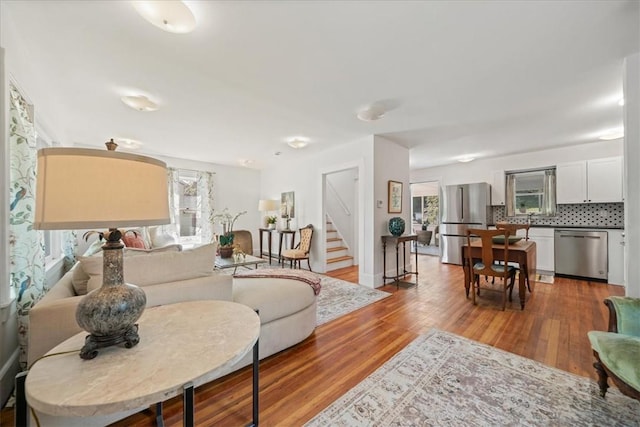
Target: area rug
{"type": "Point", "coordinates": [338, 298]}
{"type": "Point", "coordinates": [441, 379]}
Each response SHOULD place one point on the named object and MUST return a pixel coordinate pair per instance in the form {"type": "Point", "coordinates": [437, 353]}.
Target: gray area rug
{"type": "Point", "coordinates": [338, 298]}
{"type": "Point", "coordinates": [441, 379]}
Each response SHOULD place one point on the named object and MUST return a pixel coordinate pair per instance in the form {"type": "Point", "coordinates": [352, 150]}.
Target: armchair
{"type": "Point", "coordinates": [617, 351]}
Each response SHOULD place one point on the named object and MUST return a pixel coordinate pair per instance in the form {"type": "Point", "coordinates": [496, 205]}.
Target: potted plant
{"type": "Point", "coordinates": [225, 240]}
{"type": "Point", "coordinates": [271, 222]}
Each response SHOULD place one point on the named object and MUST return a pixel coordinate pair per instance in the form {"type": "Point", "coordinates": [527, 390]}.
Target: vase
{"type": "Point", "coordinates": [396, 226]}
{"type": "Point", "coordinates": [226, 251]}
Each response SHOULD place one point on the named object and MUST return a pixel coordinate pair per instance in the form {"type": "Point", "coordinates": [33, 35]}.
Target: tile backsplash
{"type": "Point", "coordinates": [583, 214]}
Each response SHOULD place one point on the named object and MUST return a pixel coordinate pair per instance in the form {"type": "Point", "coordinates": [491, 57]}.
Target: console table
{"type": "Point", "coordinates": [268, 231]}
{"type": "Point", "coordinates": [283, 233]}
{"type": "Point", "coordinates": [397, 240]}
{"type": "Point", "coordinates": [182, 346]}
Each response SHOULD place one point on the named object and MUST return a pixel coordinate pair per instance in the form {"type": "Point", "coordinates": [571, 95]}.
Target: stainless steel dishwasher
{"type": "Point", "coordinates": [580, 253]}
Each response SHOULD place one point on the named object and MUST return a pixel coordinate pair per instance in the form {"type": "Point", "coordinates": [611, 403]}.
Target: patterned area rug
{"type": "Point", "coordinates": [447, 380]}
{"type": "Point", "coordinates": [338, 298]}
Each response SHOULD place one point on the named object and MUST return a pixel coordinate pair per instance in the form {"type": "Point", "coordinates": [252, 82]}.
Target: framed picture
{"type": "Point", "coordinates": [395, 197]}
{"type": "Point", "coordinates": [288, 205]}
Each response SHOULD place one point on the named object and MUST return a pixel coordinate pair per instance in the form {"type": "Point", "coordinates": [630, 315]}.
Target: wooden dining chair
{"type": "Point", "coordinates": [513, 229]}
{"type": "Point", "coordinates": [487, 264]}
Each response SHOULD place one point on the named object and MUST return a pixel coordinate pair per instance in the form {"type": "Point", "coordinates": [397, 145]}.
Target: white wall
{"type": "Point", "coordinates": [482, 170]}
{"type": "Point", "coordinates": [304, 177]}
{"type": "Point", "coordinates": [391, 163]}
{"type": "Point", "coordinates": [632, 173]}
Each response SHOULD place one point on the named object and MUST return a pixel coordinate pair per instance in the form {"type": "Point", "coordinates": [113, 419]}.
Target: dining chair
{"type": "Point", "coordinates": [487, 264]}
{"type": "Point", "coordinates": [513, 229]}
{"type": "Point", "coordinates": [302, 249]}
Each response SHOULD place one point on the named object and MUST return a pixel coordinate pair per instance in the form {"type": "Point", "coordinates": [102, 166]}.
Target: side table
{"type": "Point", "coordinates": [397, 240]}
{"type": "Point", "coordinates": [182, 346]}
{"type": "Point", "coordinates": [268, 231]}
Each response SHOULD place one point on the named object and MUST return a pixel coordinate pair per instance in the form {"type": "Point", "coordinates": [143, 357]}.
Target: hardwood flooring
{"type": "Point", "coordinates": [299, 382]}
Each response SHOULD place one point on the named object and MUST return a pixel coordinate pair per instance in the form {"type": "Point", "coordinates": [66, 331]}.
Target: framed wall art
{"type": "Point", "coordinates": [395, 197]}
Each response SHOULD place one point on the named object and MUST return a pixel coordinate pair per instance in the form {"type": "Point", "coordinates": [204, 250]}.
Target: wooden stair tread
{"type": "Point", "coordinates": [338, 259]}
{"type": "Point", "coordinates": [334, 239]}
{"type": "Point", "coordinates": [337, 248]}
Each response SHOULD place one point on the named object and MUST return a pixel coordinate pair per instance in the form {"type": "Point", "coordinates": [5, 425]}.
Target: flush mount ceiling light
{"type": "Point", "coordinates": [297, 142]}
{"type": "Point", "coordinates": [245, 162]}
{"type": "Point", "coordinates": [371, 113]}
{"type": "Point", "coordinates": [466, 159]}
{"type": "Point", "coordinates": [140, 103]}
{"type": "Point", "coordinates": [612, 134]}
{"type": "Point", "coordinates": [170, 15]}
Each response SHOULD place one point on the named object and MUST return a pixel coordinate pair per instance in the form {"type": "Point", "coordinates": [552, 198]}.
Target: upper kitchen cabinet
{"type": "Point", "coordinates": [591, 181]}
{"type": "Point", "coordinates": [497, 188]}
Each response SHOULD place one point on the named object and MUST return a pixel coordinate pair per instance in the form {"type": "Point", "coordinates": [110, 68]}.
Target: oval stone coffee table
{"type": "Point", "coordinates": [181, 346]}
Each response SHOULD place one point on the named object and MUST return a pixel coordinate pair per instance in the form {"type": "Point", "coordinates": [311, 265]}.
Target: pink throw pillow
{"type": "Point", "coordinates": [133, 240]}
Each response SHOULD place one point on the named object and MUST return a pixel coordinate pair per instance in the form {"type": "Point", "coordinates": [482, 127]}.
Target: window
{"type": "Point", "coordinates": [531, 192]}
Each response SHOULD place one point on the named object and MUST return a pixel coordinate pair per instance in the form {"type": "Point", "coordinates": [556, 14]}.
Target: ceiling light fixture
{"type": "Point", "coordinates": [466, 159]}
{"type": "Point", "coordinates": [140, 103]}
{"type": "Point", "coordinates": [246, 162]}
{"type": "Point", "coordinates": [170, 15]}
{"type": "Point", "coordinates": [621, 102]}
{"type": "Point", "coordinates": [612, 134]}
{"type": "Point", "coordinates": [371, 113]}
{"type": "Point", "coordinates": [297, 143]}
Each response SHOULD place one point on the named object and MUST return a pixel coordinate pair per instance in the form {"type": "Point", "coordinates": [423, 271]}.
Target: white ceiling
{"type": "Point", "coordinates": [459, 78]}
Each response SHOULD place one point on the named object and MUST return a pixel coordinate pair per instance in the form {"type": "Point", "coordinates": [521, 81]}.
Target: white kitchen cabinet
{"type": "Point", "coordinates": [591, 181]}
{"type": "Point", "coordinates": [615, 240]}
{"type": "Point", "coordinates": [497, 188]}
{"type": "Point", "coordinates": [544, 247]}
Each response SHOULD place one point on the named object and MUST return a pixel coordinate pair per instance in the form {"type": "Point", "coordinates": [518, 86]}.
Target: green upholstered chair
{"type": "Point", "coordinates": [617, 352]}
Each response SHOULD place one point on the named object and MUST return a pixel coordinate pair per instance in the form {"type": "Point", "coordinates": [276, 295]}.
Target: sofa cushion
{"type": "Point", "coordinates": [152, 268]}
{"type": "Point", "coordinates": [273, 297]}
{"type": "Point", "coordinates": [162, 235]}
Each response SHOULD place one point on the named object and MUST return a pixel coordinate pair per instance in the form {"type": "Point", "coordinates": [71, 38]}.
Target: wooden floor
{"type": "Point", "coordinates": [299, 382]}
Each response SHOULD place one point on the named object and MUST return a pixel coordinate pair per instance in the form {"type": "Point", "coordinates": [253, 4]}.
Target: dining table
{"type": "Point", "coordinates": [522, 252]}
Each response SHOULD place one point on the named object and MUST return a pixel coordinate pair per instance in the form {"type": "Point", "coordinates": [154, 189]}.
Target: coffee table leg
{"type": "Point", "coordinates": [188, 409]}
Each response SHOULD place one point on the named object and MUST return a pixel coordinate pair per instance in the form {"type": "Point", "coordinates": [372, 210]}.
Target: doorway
{"type": "Point", "coordinates": [425, 217]}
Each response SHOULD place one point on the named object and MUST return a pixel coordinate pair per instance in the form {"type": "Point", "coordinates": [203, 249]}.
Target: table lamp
{"type": "Point", "coordinates": [80, 188]}
{"type": "Point", "coordinates": [267, 206]}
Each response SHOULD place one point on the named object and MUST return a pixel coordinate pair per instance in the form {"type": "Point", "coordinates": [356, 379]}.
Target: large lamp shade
{"type": "Point", "coordinates": [81, 188]}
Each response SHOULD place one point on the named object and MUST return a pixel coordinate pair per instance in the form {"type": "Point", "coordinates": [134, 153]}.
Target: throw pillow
{"type": "Point", "coordinates": [163, 235]}
{"type": "Point", "coordinates": [153, 268]}
{"type": "Point", "coordinates": [134, 239]}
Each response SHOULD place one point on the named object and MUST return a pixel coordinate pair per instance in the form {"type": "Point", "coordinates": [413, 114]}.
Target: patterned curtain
{"type": "Point", "coordinates": [26, 245]}
{"type": "Point", "coordinates": [549, 195]}
{"type": "Point", "coordinates": [205, 205]}
{"type": "Point", "coordinates": [511, 195]}
{"type": "Point", "coordinates": [69, 248]}
{"type": "Point", "coordinates": [173, 184]}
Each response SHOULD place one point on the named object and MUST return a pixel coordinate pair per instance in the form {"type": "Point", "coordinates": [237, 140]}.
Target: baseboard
{"type": "Point", "coordinates": [8, 373]}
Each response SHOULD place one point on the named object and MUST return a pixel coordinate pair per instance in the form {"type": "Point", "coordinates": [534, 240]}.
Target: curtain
{"type": "Point", "coordinates": [549, 193]}
{"type": "Point", "coordinates": [511, 194]}
{"type": "Point", "coordinates": [26, 245]}
{"type": "Point", "coordinates": [205, 205]}
{"type": "Point", "coordinates": [173, 184]}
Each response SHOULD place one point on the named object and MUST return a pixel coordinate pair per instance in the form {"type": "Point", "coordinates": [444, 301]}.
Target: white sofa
{"type": "Point", "coordinates": [287, 307]}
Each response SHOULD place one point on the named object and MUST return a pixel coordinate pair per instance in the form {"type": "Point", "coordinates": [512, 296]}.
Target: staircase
{"type": "Point", "coordinates": [337, 253]}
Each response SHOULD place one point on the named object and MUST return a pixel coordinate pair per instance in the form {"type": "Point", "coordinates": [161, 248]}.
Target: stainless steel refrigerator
{"type": "Point", "coordinates": [462, 206]}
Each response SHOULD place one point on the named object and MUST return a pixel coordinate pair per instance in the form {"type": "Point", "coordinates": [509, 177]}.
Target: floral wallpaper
{"type": "Point", "coordinates": [26, 245]}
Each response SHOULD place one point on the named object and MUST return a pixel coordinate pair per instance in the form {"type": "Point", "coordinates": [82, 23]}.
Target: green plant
{"type": "Point", "coordinates": [272, 219]}
{"type": "Point", "coordinates": [226, 240]}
